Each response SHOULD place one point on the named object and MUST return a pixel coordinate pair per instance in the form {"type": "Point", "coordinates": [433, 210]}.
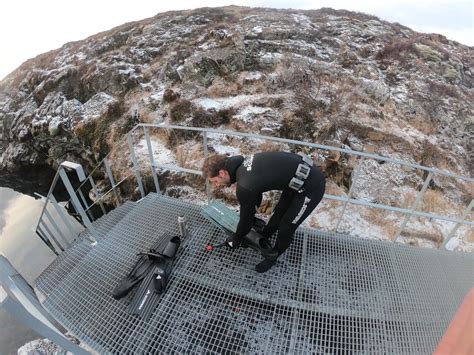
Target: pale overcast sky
{"type": "Point", "coordinates": [32, 27]}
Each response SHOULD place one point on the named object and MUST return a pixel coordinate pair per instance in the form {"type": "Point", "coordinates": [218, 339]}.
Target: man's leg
{"type": "Point", "coordinates": [299, 209]}
{"type": "Point", "coordinates": [280, 209]}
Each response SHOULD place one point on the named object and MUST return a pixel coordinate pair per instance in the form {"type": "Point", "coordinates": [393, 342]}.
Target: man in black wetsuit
{"type": "Point", "coordinates": [302, 185]}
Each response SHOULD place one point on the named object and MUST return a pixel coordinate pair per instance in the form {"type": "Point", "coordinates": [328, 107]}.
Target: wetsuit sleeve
{"type": "Point", "coordinates": [248, 203]}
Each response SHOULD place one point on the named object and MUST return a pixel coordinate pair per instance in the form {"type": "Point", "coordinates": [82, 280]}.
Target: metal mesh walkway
{"type": "Point", "coordinates": [329, 293]}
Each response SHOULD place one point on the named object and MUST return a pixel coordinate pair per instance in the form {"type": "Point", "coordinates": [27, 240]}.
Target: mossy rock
{"type": "Point", "coordinates": [452, 74]}
{"type": "Point", "coordinates": [429, 53]}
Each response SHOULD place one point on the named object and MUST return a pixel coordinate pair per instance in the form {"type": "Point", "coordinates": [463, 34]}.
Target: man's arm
{"type": "Point", "coordinates": [248, 206]}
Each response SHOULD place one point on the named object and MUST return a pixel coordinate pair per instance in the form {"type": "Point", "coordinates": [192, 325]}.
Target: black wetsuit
{"type": "Point", "coordinates": [273, 171]}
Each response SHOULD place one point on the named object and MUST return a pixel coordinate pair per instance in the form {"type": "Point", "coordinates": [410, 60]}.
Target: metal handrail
{"type": "Point", "coordinates": [408, 212]}
{"type": "Point", "coordinates": [307, 144]}
{"type": "Point", "coordinates": [41, 226]}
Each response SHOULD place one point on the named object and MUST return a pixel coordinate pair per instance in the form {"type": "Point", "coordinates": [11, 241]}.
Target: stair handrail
{"type": "Point", "coordinates": [49, 237]}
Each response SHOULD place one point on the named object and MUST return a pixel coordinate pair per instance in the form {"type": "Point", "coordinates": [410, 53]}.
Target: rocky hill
{"type": "Point", "coordinates": [332, 77]}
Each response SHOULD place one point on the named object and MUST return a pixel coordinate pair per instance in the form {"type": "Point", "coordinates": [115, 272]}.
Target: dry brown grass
{"type": "Point", "coordinates": [170, 96]}
{"type": "Point", "coordinates": [333, 189]}
{"type": "Point", "coordinates": [408, 198]}
{"type": "Point", "coordinates": [222, 88]}
{"type": "Point", "coordinates": [434, 235]}
{"type": "Point", "coordinates": [120, 160]}
{"type": "Point", "coordinates": [179, 110]}
{"type": "Point", "coordinates": [239, 126]}
{"type": "Point", "coordinates": [379, 217]}
{"type": "Point", "coordinates": [422, 124]}
{"type": "Point", "coordinates": [145, 116]}
{"type": "Point", "coordinates": [432, 155]}
{"type": "Point", "coordinates": [397, 49]}
{"type": "Point", "coordinates": [470, 236]}
{"type": "Point", "coordinates": [436, 201]}
{"type": "Point", "coordinates": [269, 146]}
{"type": "Point", "coordinates": [211, 117]}
{"type": "Point", "coordinates": [442, 89]}
{"type": "Point", "coordinates": [190, 155]}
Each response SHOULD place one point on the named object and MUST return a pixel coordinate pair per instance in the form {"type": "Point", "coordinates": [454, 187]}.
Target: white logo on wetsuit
{"type": "Point", "coordinates": [248, 162]}
{"type": "Point", "coordinates": [300, 213]}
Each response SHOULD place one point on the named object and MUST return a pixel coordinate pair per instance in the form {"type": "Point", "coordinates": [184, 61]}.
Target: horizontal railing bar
{"type": "Point", "coordinates": [352, 201]}
{"type": "Point", "coordinates": [109, 191]}
{"type": "Point", "coordinates": [397, 209]}
{"type": "Point", "coordinates": [178, 168]}
{"type": "Point", "coordinates": [313, 145]}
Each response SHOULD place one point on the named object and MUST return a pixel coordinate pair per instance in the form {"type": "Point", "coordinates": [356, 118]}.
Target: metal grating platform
{"type": "Point", "coordinates": [329, 293]}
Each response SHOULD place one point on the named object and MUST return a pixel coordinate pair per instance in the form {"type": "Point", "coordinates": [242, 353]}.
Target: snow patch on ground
{"type": "Point", "coordinates": [225, 149]}
{"type": "Point", "coordinates": [301, 19]}
{"type": "Point", "coordinates": [161, 154]}
{"type": "Point", "coordinates": [221, 103]}
{"type": "Point", "coordinates": [373, 179]}
{"type": "Point", "coordinates": [253, 76]}
{"type": "Point", "coordinates": [249, 113]}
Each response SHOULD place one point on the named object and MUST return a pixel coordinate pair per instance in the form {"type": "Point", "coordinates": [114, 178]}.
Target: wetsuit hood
{"type": "Point", "coordinates": [232, 165]}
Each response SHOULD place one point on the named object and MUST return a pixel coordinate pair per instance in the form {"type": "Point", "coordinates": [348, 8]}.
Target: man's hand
{"type": "Point", "coordinates": [233, 242]}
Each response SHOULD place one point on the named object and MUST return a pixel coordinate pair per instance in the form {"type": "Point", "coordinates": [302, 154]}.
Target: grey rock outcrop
{"type": "Point", "coordinates": [322, 75]}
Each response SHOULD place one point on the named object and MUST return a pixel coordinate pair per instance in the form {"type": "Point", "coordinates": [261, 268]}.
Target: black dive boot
{"type": "Point", "coordinates": [265, 265]}
{"type": "Point", "coordinates": [258, 243]}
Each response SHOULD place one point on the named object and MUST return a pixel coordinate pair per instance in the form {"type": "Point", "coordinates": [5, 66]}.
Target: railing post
{"type": "Point", "coordinates": [152, 160]}
{"type": "Point", "coordinates": [96, 192]}
{"type": "Point", "coordinates": [413, 207]}
{"type": "Point", "coordinates": [62, 215]}
{"type": "Point", "coordinates": [86, 205]}
{"type": "Point", "coordinates": [454, 230]}
{"type": "Point", "coordinates": [111, 179]}
{"type": "Point", "coordinates": [206, 154]}
{"type": "Point", "coordinates": [349, 194]}
{"type": "Point", "coordinates": [136, 167]}
{"type": "Point", "coordinates": [50, 193]}
{"type": "Point", "coordinates": [76, 203]}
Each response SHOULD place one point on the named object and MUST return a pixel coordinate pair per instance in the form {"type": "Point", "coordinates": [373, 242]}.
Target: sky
{"type": "Point", "coordinates": [32, 27]}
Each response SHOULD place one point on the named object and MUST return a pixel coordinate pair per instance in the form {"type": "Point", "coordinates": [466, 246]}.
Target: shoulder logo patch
{"type": "Point", "coordinates": [248, 162]}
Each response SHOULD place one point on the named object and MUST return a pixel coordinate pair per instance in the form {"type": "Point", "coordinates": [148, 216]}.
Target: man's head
{"type": "Point", "coordinates": [214, 169]}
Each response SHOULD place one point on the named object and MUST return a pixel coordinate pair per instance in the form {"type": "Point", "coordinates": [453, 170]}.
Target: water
{"type": "Point", "coordinates": [26, 252]}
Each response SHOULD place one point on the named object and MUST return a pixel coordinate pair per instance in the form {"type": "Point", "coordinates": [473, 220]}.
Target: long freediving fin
{"type": "Point", "coordinates": [154, 284]}
{"type": "Point", "coordinates": [141, 268]}
{"type": "Point", "coordinates": [148, 295]}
